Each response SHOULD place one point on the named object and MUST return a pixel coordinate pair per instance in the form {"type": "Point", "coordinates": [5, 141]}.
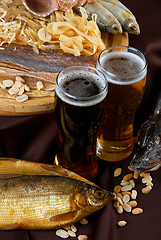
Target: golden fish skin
{"type": "Point", "coordinates": [47, 202]}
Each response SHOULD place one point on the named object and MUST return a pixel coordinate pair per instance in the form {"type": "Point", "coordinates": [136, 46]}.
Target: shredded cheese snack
{"type": "Point", "coordinates": [67, 31]}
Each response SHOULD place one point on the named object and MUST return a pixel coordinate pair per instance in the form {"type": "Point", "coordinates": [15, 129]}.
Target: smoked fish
{"type": "Point", "coordinates": [45, 201]}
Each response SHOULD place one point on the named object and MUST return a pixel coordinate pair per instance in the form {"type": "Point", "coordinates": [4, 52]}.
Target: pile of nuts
{"type": "Point", "coordinates": [19, 88]}
{"type": "Point", "coordinates": [126, 194]}
{"type": "Point", "coordinates": [70, 231]}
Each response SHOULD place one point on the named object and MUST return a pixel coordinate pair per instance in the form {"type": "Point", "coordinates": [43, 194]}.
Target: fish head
{"type": "Point", "coordinates": [92, 198]}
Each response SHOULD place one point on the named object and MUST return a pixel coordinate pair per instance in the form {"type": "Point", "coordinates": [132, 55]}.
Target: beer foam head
{"type": "Point", "coordinates": [122, 67]}
{"type": "Point", "coordinates": [81, 88]}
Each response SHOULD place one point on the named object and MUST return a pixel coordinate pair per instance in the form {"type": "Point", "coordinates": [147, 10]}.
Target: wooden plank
{"type": "Point", "coordinates": [49, 61]}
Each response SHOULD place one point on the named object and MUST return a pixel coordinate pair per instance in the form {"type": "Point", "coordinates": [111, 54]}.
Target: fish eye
{"type": "Point", "coordinates": [98, 194]}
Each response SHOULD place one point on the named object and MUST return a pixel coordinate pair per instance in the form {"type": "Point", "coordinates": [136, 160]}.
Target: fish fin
{"type": "Point", "coordinates": [60, 171]}
{"type": "Point", "coordinates": [10, 226]}
{"type": "Point", "coordinates": [8, 176]}
{"type": "Point", "coordinates": [64, 217]}
{"type": "Point", "coordinates": [54, 169]}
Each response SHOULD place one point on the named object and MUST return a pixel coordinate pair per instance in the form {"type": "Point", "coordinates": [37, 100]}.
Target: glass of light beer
{"type": "Point", "coordinates": [125, 69]}
{"type": "Point", "coordinates": [80, 93]}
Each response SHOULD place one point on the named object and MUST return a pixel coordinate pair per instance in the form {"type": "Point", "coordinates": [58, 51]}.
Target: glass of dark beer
{"type": "Point", "coordinates": [125, 69]}
{"type": "Point", "coordinates": [80, 93]}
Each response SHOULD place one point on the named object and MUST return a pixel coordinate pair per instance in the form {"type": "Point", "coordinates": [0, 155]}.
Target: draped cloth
{"type": "Point", "coordinates": [34, 138]}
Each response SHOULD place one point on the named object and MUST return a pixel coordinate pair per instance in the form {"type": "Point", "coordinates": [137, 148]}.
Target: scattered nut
{"type": "Point", "coordinates": [62, 233]}
{"type": "Point", "coordinates": [116, 204]}
{"type": "Point", "coordinates": [120, 201]}
{"type": "Point", "coordinates": [7, 83]}
{"type": "Point", "coordinates": [120, 209]}
{"type": "Point", "coordinates": [122, 223]}
{"type": "Point", "coordinates": [22, 98]}
{"type": "Point", "coordinates": [117, 188]}
{"type": "Point", "coordinates": [146, 179]}
{"type": "Point", "coordinates": [27, 89]}
{"type": "Point", "coordinates": [124, 183]}
{"type": "Point", "coordinates": [126, 192]}
{"type": "Point", "coordinates": [149, 184]}
{"type": "Point", "coordinates": [2, 86]}
{"type": "Point", "coordinates": [126, 198]}
{"type": "Point", "coordinates": [132, 203]}
{"type": "Point", "coordinates": [21, 91]}
{"type": "Point", "coordinates": [82, 237]}
{"type": "Point", "coordinates": [40, 85]}
{"type": "Point", "coordinates": [137, 211]}
{"type": "Point", "coordinates": [136, 175]}
{"type": "Point", "coordinates": [73, 228]}
{"type": "Point", "coordinates": [146, 189]}
{"type": "Point", "coordinates": [71, 233]}
{"type": "Point", "coordinates": [127, 207]}
{"type": "Point", "coordinates": [134, 194]}
{"type": "Point", "coordinates": [132, 183]}
{"type": "Point", "coordinates": [13, 90]}
{"type": "Point", "coordinates": [18, 83]}
{"type": "Point", "coordinates": [126, 188]}
{"type": "Point", "coordinates": [144, 174]}
{"type": "Point", "coordinates": [117, 172]}
{"type": "Point", "coordinates": [119, 195]}
{"type": "Point", "coordinates": [18, 78]}
{"type": "Point", "coordinates": [127, 177]}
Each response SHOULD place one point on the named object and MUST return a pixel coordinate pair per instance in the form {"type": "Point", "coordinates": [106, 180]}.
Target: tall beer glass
{"type": "Point", "coordinates": [125, 69]}
{"type": "Point", "coordinates": [80, 94]}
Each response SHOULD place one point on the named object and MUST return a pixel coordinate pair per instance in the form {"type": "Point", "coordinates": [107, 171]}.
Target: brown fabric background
{"type": "Point", "coordinates": [35, 139]}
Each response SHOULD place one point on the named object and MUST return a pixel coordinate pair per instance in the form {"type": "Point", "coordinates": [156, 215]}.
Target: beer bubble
{"type": "Point", "coordinates": [81, 88]}
{"type": "Point", "coordinates": [123, 68]}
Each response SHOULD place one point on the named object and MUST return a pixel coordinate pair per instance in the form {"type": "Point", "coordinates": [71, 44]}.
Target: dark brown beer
{"type": "Point", "coordinates": [126, 77]}
{"type": "Point", "coordinates": [79, 114]}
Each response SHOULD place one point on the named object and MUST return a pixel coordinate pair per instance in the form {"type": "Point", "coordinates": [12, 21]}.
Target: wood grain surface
{"type": "Point", "coordinates": [46, 61]}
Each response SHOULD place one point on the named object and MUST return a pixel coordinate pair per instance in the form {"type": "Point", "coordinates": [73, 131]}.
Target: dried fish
{"type": "Point", "coordinates": [45, 201]}
{"type": "Point", "coordinates": [148, 154]}
{"type": "Point", "coordinates": [105, 20]}
{"type": "Point", "coordinates": [111, 14]}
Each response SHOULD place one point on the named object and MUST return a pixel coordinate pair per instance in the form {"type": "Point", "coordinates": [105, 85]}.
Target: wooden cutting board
{"type": "Point", "coordinates": [46, 61]}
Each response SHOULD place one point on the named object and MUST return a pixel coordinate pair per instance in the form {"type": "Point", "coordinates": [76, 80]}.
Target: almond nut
{"type": "Point", "coordinates": [132, 183]}
{"type": "Point", "coordinates": [127, 177]}
{"type": "Point", "coordinates": [137, 211]}
{"type": "Point", "coordinates": [22, 98]}
{"type": "Point", "coordinates": [126, 198]}
{"type": "Point", "coordinates": [117, 188]}
{"type": "Point", "coordinates": [40, 85]}
{"type": "Point", "coordinates": [136, 175]}
{"type": "Point", "coordinates": [117, 172]}
{"type": "Point", "coordinates": [7, 83]}
{"type": "Point", "coordinates": [133, 194]}
{"type": "Point", "coordinates": [132, 203]}
{"type": "Point", "coordinates": [62, 233]}
{"type": "Point", "coordinates": [120, 209]}
{"type": "Point", "coordinates": [147, 179]}
{"type": "Point", "coordinates": [82, 237]}
{"type": "Point", "coordinates": [126, 188]}
{"type": "Point", "coordinates": [127, 207]}
{"type": "Point", "coordinates": [146, 189]}
{"type": "Point", "coordinates": [122, 223]}
{"type": "Point", "coordinates": [124, 183]}
{"type": "Point", "coordinates": [144, 174]}
{"type": "Point", "coordinates": [126, 192]}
